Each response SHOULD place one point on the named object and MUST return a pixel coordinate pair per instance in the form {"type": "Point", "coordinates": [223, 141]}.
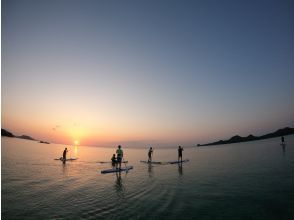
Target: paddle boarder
{"type": "Point", "coordinates": [180, 154]}
{"type": "Point", "coordinates": [113, 160]}
{"type": "Point", "coordinates": [119, 155]}
{"type": "Point", "coordinates": [283, 140]}
{"type": "Point", "coordinates": [64, 155]}
{"type": "Point", "coordinates": [150, 153]}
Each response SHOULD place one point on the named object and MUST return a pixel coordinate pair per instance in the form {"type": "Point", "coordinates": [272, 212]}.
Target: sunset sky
{"type": "Point", "coordinates": [162, 72]}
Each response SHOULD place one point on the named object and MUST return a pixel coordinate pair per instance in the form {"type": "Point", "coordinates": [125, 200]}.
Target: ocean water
{"type": "Point", "coordinates": [253, 180]}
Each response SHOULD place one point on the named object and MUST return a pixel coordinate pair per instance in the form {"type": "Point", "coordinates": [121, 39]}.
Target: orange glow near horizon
{"type": "Point", "coordinates": [98, 135]}
{"type": "Point", "coordinates": [82, 128]}
{"type": "Point", "coordinates": [104, 127]}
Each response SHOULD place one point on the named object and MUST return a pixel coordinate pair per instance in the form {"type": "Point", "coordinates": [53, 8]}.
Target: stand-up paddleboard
{"type": "Point", "coordinates": [177, 162]}
{"type": "Point", "coordinates": [151, 162]}
{"type": "Point", "coordinates": [115, 170]}
{"type": "Point", "coordinates": [110, 162]}
{"type": "Point", "coordinates": [68, 159]}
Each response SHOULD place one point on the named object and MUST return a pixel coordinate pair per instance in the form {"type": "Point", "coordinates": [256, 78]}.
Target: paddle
{"type": "Point", "coordinates": [125, 164]}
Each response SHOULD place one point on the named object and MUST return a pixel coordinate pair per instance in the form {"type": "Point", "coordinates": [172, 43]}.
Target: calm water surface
{"type": "Point", "coordinates": [253, 180]}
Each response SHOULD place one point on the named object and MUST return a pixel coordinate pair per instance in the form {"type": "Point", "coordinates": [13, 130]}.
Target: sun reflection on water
{"type": "Point", "coordinates": [76, 151]}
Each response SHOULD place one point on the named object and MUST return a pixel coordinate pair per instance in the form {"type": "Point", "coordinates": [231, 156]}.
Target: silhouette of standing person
{"type": "Point", "coordinates": [150, 152]}
{"type": "Point", "coordinates": [119, 155]}
{"type": "Point", "coordinates": [64, 155]}
{"type": "Point", "coordinates": [180, 154]}
{"type": "Point", "coordinates": [283, 140]}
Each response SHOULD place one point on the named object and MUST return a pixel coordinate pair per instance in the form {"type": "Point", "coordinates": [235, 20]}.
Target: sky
{"type": "Point", "coordinates": [138, 73]}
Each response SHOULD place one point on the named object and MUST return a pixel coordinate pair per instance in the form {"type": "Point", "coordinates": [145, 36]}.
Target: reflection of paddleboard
{"type": "Point", "coordinates": [110, 162]}
{"type": "Point", "coordinates": [151, 162]}
{"type": "Point", "coordinates": [174, 162]}
{"type": "Point", "coordinates": [68, 159]}
{"type": "Point", "coordinates": [114, 170]}
{"type": "Point", "coordinates": [283, 144]}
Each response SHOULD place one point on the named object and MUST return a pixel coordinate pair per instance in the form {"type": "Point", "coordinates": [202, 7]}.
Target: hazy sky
{"type": "Point", "coordinates": [156, 72]}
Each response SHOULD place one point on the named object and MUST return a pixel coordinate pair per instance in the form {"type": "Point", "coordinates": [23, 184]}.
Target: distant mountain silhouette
{"type": "Point", "coordinates": [6, 133]}
{"type": "Point", "coordinates": [238, 139]}
{"type": "Point", "coordinates": [26, 137]}
{"type": "Point", "coordinates": [44, 142]}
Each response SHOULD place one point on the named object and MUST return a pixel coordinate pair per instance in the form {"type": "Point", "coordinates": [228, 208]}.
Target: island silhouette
{"type": "Point", "coordinates": [6, 133]}
{"type": "Point", "coordinates": [238, 139]}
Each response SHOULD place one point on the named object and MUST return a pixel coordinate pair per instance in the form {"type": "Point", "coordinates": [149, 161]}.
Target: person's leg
{"type": "Point", "coordinates": [120, 162]}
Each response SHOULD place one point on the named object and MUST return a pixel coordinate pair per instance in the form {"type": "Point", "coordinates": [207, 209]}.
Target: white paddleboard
{"type": "Point", "coordinates": [114, 170]}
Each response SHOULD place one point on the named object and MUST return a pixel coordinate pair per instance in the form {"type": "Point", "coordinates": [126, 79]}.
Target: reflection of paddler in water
{"type": "Point", "coordinates": [180, 168]}
{"type": "Point", "coordinates": [64, 169]}
{"type": "Point", "coordinates": [118, 183]}
{"type": "Point", "coordinates": [283, 148]}
{"type": "Point", "coordinates": [150, 170]}
{"type": "Point", "coordinates": [283, 144]}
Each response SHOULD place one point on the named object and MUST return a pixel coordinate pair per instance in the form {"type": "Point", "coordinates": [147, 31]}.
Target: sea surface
{"type": "Point", "coordinates": [253, 180]}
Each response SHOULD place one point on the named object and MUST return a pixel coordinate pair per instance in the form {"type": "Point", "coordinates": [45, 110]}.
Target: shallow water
{"type": "Point", "coordinates": [253, 180]}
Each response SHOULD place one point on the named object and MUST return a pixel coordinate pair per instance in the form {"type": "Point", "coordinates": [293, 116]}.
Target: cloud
{"type": "Point", "coordinates": [56, 127]}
